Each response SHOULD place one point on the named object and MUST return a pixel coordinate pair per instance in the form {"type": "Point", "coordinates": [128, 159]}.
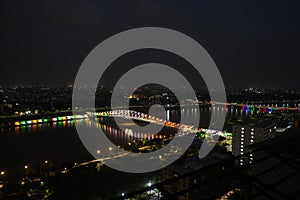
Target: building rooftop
{"type": "Point", "coordinates": [255, 123]}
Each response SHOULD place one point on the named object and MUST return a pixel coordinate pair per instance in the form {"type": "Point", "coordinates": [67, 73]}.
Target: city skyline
{"type": "Point", "coordinates": [149, 99]}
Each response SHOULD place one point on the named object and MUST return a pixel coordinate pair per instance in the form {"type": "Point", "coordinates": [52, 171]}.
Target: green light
{"type": "Point", "coordinates": [59, 118]}
{"type": "Point", "coordinates": [45, 120]}
{"type": "Point", "coordinates": [23, 122]}
{"type": "Point", "coordinates": [252, 108]}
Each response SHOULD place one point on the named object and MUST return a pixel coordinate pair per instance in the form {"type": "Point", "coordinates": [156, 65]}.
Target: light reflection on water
{"type": "Point", "coordinates": [114, 133]}
{"type": "Point", "coordinates": [59, 141]}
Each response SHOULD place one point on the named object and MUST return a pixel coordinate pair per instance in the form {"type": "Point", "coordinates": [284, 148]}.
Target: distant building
{"type": "Point", "coordinates": [245, 134]}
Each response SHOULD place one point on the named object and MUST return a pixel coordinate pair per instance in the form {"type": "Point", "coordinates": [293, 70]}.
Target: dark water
{"type": "Point", "coordinates": [59, 142]}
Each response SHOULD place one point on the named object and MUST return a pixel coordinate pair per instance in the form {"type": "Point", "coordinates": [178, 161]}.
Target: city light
{"type": "Point", "coordinates": [72, 87]}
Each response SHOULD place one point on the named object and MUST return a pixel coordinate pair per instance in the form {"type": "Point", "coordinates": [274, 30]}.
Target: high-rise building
{"type": "Point", "coordinates": [248, 133]}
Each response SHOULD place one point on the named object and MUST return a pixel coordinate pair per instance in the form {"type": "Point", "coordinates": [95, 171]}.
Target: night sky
{"type": "Point", "coordinates": [254, 43]}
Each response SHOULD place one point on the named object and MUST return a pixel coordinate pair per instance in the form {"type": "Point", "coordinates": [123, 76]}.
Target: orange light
{"type": "Point", "coordinates": [34, 121]}
{"type": "Point", "coordinates": [17, 123]}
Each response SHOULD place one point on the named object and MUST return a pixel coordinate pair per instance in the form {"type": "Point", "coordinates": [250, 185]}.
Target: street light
{"type": "Point", "coordinates": [26, 167]}
{"type": "Point", "coordinates": [2, 173]}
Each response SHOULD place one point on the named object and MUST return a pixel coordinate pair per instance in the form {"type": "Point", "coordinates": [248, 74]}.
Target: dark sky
{"type": "Point", "coordinates": [254, 43]}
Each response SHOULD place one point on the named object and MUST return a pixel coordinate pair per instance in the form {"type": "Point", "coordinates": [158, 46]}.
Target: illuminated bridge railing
{"type": "Point", "coordinates": [148, 118]}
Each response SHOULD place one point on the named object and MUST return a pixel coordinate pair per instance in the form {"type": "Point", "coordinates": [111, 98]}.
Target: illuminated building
{"type": "Point", "coordinates": [246, 134]}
